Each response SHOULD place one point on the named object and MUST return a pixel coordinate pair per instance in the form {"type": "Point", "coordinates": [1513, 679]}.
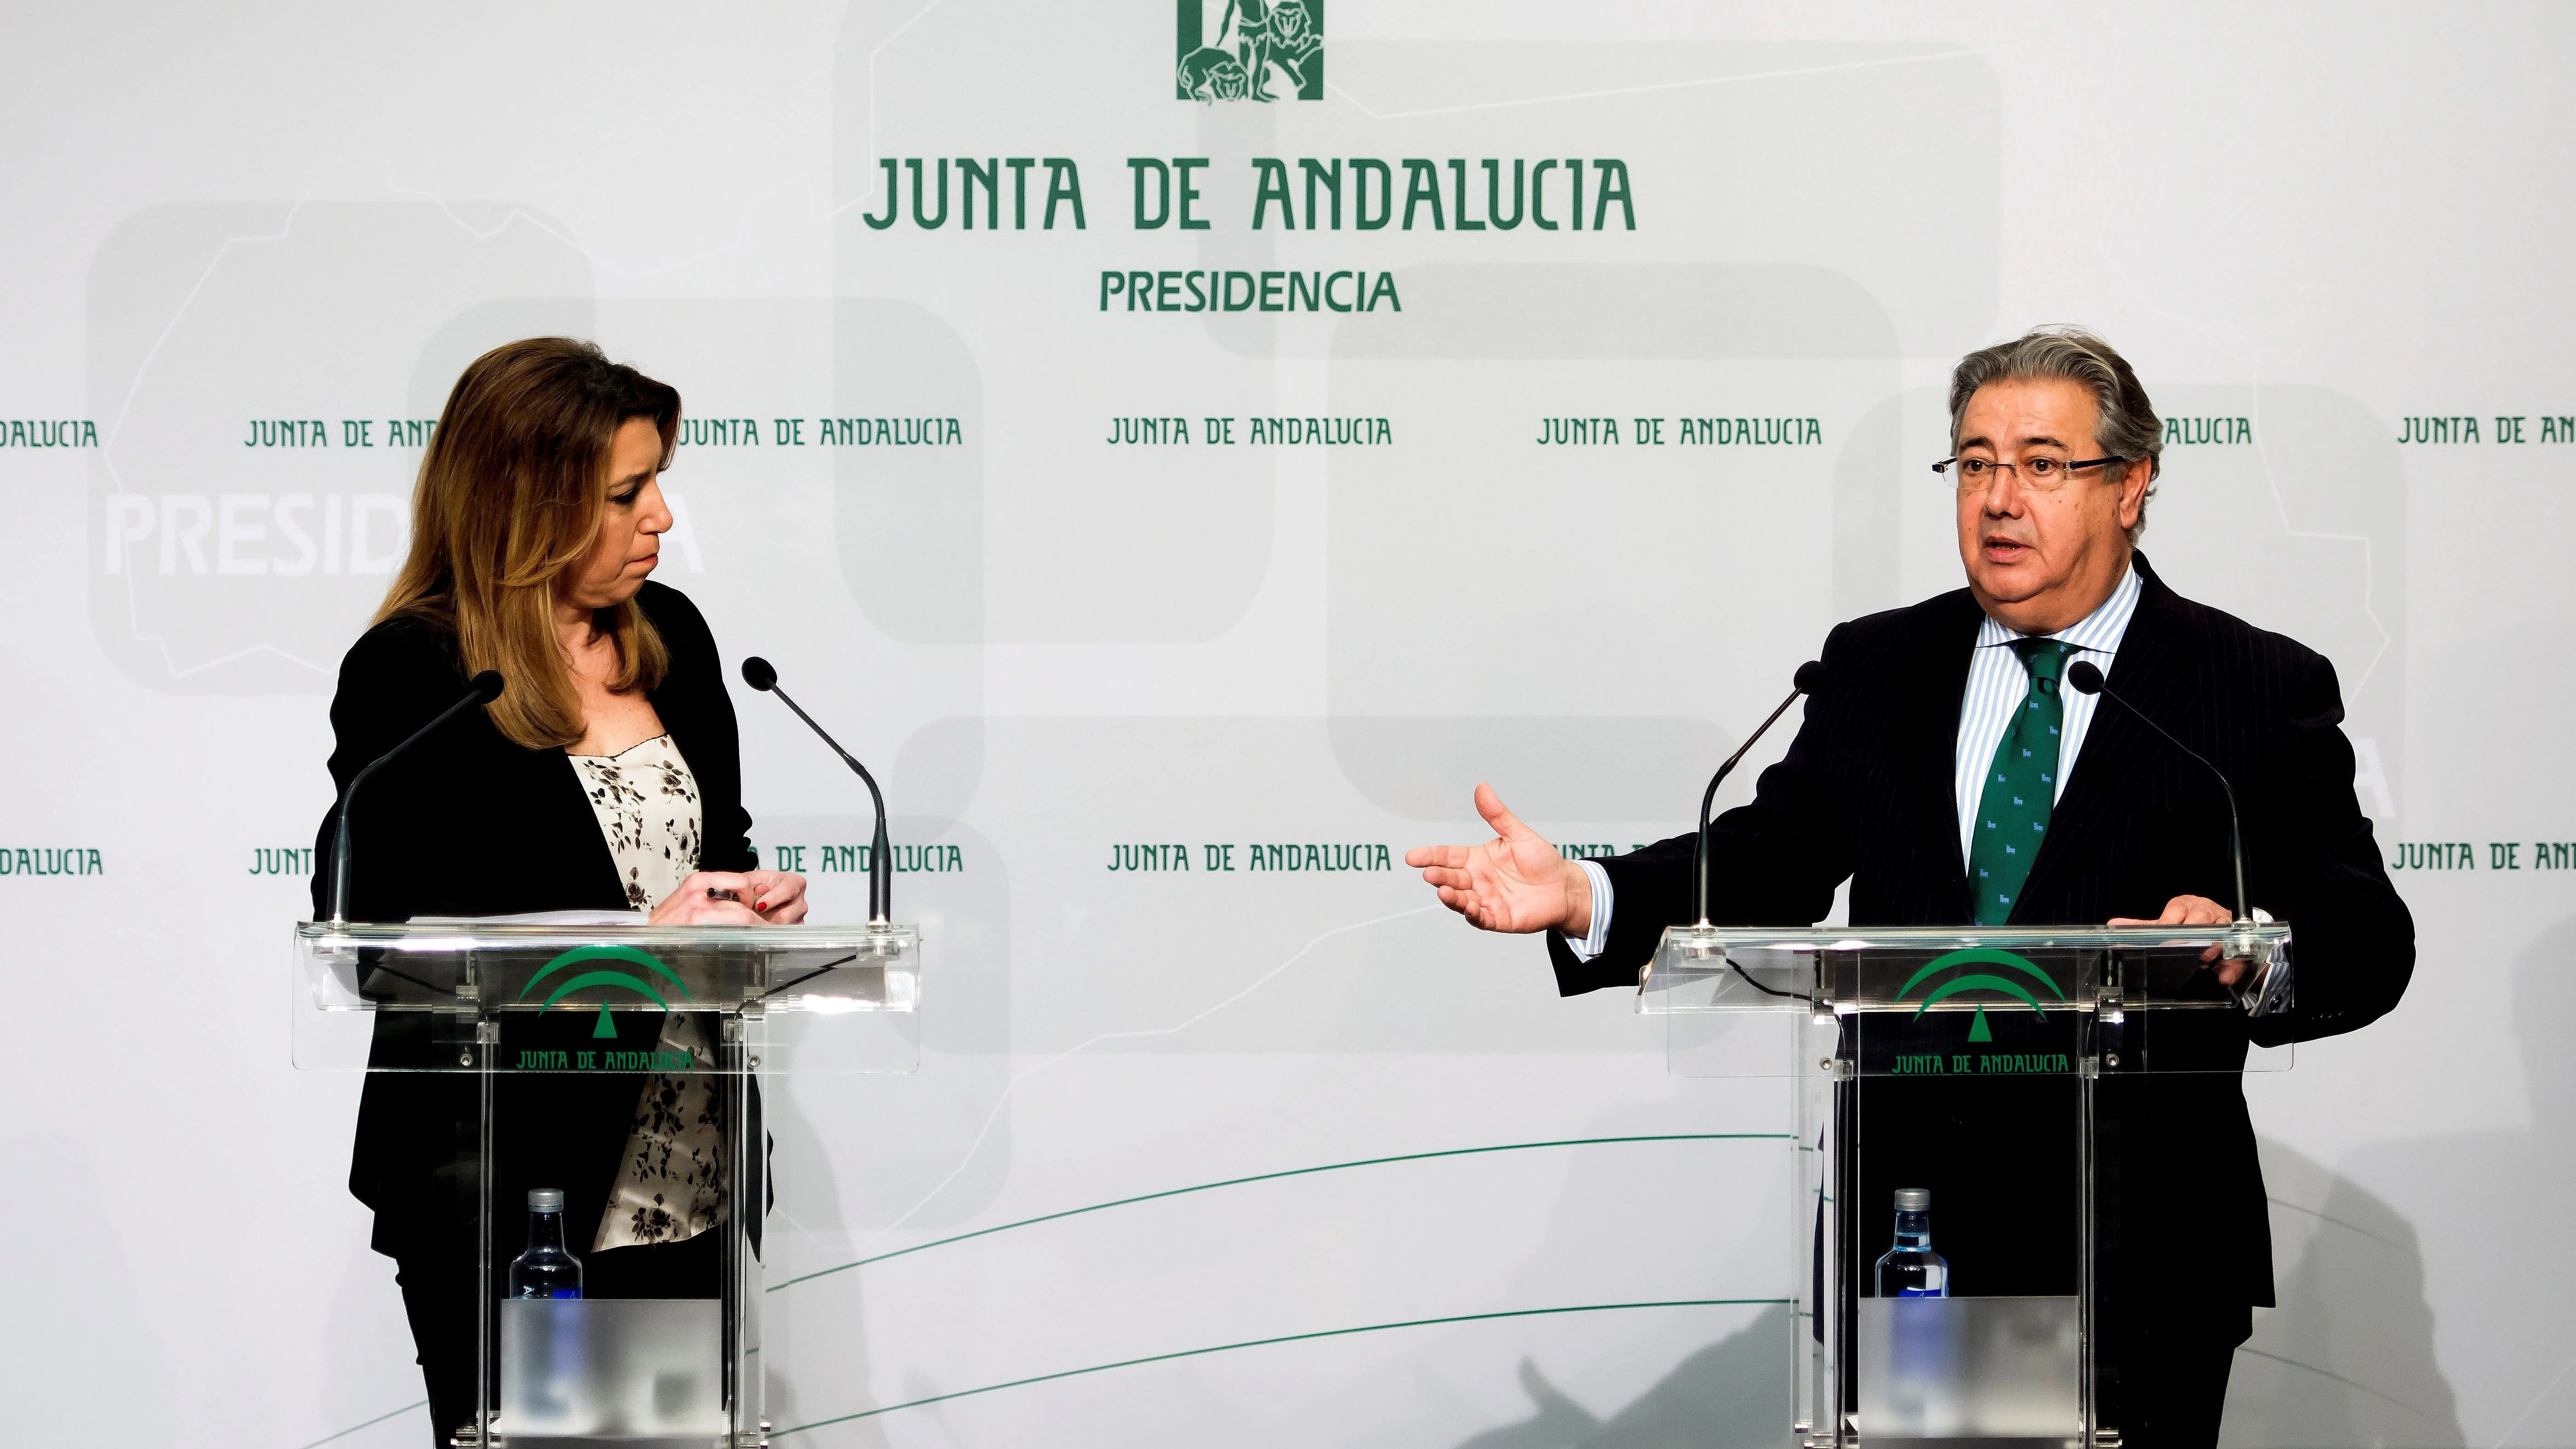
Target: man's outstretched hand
{"type": "Point", "coordinates": [1514, 882]}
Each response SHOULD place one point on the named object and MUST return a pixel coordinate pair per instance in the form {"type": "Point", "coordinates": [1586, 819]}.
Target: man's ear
{"type": "Point", "coordinates": [2134, 481]}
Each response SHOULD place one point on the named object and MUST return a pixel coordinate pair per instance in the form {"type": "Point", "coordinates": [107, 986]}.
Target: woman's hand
{"type": "Point", "coordinates": [753, 898]}
{"type": "Point", "coordinates": [777, 896]}
{"type": "Point", "coordinates": [690, 905]}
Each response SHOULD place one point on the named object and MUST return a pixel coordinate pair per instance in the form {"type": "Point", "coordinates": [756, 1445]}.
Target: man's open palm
{"type": "Point", "coordinates": [1514, 882]}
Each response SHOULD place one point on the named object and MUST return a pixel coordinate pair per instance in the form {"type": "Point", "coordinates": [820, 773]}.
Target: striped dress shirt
{"type": "Point", "coordinates": [1997, 683]}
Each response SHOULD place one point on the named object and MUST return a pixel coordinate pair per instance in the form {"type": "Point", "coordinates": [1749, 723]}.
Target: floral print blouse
{"type": "Point", "coordinates": [671, 1185]}
{"type": "Point", "coordinates": [647, 803]}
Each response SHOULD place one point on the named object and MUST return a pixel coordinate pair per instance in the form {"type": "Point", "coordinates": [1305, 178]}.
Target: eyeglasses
{"type": "Point", "coordinates": [2041, 474]}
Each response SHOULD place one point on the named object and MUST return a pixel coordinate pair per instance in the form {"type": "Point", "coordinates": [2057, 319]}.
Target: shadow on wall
{"type": "Point", "coordinates": [94, 1371]}
{"type": "Point", "coordinates": [2347, 1357]}
{"type": "Point", "coordinates": [1726, 1395]}
{"type": "Point", "coordinates": [2492, 1201]}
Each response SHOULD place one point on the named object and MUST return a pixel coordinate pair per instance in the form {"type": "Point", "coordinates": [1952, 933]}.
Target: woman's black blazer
{"type": "Point", "coordinates": [469, 824]}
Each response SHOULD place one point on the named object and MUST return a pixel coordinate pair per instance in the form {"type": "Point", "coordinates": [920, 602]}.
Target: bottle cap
{"type": "Point", "coordinates": [545, 1199]}
{"type": "Point", "coordinates": [1908, 1199]}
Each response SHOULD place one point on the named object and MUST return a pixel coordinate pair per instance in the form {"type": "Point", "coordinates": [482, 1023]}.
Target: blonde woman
{"type": "Point", "coordinates": [607, 775]}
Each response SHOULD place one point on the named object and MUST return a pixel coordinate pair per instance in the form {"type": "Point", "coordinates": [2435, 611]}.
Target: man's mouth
{"type": "Point", "coordinates": [2005, 550]}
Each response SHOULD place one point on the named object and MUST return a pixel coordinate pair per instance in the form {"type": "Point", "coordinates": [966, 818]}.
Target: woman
{"type": "Point", "coordinates": [607, 775]}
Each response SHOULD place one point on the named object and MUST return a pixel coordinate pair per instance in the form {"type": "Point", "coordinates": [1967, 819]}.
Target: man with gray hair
{"type": "Point", "coordinates": [1939, 748]}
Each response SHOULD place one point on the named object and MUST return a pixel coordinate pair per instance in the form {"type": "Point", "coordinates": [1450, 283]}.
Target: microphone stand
{"type": "Point", "coordinates": [2240, 943]}
{"type": "Point", "coordinates": [1809, 678]}
{"type": "Point", "coordinates": [759, 674]}
{"type": "Point", "coordinates": [485, 688]}
{"type": "Point", "coordinates": [2087, 677]}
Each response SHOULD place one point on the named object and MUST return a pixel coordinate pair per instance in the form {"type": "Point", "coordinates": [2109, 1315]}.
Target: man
{"type": "Point", "coordinates": [1945, 774]}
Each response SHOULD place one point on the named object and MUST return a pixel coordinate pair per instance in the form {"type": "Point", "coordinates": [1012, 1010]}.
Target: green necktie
{"type": "Point", "coordinates": [2021, 785]}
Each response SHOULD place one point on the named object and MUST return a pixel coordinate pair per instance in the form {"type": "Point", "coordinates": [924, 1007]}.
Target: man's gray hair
{"type": "Point", "coordinates": [2125, 424]}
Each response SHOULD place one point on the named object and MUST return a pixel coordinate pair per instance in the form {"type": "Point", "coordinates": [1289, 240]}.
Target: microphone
{"type": "Point", "coordinates": [1810, 679]}
{"type": "Point", "coordinates": [485, 688]}
{"type": "Point", "coordinates": [758, 673]}
{"type": "Point", "coordinates": [2087, 678]}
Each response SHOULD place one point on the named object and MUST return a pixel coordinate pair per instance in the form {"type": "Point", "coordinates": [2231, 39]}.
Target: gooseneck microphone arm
{"type": "Point", "coordinates": [2087, 677]}
{"type": "Point", "coordinates": [758, 673]}
{"type": "Point", "coordinates": [1809, 679]}
{"type": "Point", "coordinates": [485, 688]}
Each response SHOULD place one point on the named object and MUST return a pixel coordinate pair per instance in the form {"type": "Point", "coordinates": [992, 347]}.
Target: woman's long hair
{"type": "Point", "coordinates": [508, 506]}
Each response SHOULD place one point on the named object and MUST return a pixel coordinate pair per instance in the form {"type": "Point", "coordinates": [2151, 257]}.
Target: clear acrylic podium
{"type": "Point", "coordinates": [503, 1013]}
{"type": "Point", "coordinates": [1974, 1063]}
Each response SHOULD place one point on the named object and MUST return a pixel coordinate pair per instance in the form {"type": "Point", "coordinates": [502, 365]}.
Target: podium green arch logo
{"type": "Point", "coordinates": [607, 1026]}
{"type": "Point", "coordinates": [1980, 981]}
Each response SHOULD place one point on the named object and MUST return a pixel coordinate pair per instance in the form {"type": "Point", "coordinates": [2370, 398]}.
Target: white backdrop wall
{"type": "Point", "coordinates": [244, 251]}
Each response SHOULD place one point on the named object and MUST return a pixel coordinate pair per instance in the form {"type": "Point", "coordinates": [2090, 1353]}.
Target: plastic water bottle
{"type": "Point", "coordinates": [1911, 1269]}
{"type": "Point", "coordinates": [545, 1270]}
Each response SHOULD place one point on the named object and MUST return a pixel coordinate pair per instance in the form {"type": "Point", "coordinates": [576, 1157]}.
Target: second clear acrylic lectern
{"type": "Point", "coordinates": [1950, 1090]}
